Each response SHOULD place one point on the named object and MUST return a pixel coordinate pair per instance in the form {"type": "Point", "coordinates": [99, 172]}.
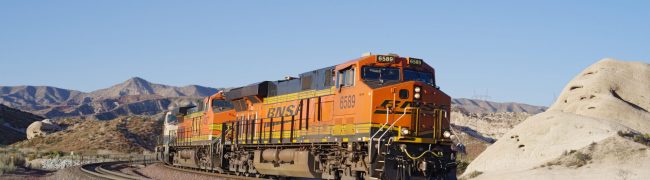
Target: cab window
{"type": "Point", "coordinates": [171, 118]}
{"type": "Point", "coordinates": [220, 105]}
{"type": "Point", "coordinates": [346, 77]}
{"type": "Point", "coordinates": [412, 75]}
{"type": "Point", "coordinates": [380, 74]}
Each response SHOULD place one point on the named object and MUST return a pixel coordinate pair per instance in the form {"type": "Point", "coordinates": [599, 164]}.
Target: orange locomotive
{"type": "Point", "coordinates": [375, 117]}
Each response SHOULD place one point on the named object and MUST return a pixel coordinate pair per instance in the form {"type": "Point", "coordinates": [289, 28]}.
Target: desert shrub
{"type": "Point", "coordinates": [461, 166]}
{"type": "Point", "coordinates": [583, 157]}
{"type": "Point", "coordinates": [552, 163]}
{"type": "Point", "coordinates": [642, 138]}
{"type": "Point", "coordinates": [10, 161]}
{"type": "Point", "coordinates": [54, 154]}
{"type": "Point", "coordinates": [592, 146]}
{"type": "Point", "coordinates": [580, 160]}
{"type": "Point", "coordinates": [31, 156]}
{"type": "Point", "coordinates": [636, 137]}
{"type": "Point", "coordinates": [474, 174]}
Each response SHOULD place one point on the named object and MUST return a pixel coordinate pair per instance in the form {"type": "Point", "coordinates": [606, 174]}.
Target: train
{"type": "Point", "coordinates": [373, 117]}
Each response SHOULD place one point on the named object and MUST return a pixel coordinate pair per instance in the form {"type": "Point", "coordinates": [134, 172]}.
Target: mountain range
{"type": "Point", "coordinates": [135, 96]}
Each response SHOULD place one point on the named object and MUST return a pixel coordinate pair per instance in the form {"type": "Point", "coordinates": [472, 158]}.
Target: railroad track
{"type": "Point", "coordinates": [100, 170]}
{"type": "Point", "coordinates": [103, 171]}
{"type": "Point", "coordinates": [227, 176]}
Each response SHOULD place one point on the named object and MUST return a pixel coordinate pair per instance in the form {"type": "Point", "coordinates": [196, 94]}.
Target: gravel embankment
{"type": "Point", "coordinates": [56, 164]}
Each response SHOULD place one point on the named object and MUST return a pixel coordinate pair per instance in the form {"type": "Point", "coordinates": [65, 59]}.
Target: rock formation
{"type": "Point", "coordinates": [586, 125]}
{"type": "Point", "coordinates": [41, 128]}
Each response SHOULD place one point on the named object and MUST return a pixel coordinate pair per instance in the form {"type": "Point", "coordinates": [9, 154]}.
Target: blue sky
{"type": "Point", "coordinates": [516, 51]}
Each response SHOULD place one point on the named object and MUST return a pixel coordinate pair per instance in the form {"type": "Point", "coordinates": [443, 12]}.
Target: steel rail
{"type": "Point", "coordinates": [98, 170]}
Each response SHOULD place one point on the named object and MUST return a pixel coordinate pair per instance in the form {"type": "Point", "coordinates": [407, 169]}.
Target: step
{"type": "Point", "coordinates": [380, 170]}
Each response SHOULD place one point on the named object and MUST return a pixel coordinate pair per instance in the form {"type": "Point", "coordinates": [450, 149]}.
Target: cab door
{"type": "Point", "coordinates": [346, 101]}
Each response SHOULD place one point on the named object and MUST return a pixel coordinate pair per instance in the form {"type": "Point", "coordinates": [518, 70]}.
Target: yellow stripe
{"type": "Point", "coordinates": [298, 95]}
{"type": "Point", "coordinates": [195, 114]}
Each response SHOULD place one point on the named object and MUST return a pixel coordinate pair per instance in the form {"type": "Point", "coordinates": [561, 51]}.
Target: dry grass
{"type": "Point", "coordinates": [636, 137]}
{"type": "Point", "coordinates": [10, 160]}
{"type": "Point", "coordinates": [474, 174]}
{"type": "Point", "coordinates": [462, 166]}
{"type": "Point", "coordinates": [580, 160]}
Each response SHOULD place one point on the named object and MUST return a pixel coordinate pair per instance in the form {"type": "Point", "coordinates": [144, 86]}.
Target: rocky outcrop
{"type": "Point", "coordinates": [606, 100]}
{"type": "Point", "coordinates": [41, 128]}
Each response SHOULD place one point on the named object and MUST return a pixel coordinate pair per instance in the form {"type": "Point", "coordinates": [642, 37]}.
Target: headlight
{"type": "Point", "coordinates": [446, 134]}
{"type": "Point", "coordinates": [405, 131]}
{"type": "Point", "coordinates": [417, 89]}
{"type": "Point", "coordinates": [416, 95]}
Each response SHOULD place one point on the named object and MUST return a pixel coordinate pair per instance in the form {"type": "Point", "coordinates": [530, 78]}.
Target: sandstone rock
{"type": "Point", "coordinates": [41, 128]}
{"type": "Point", "coordinates": [608, 97]}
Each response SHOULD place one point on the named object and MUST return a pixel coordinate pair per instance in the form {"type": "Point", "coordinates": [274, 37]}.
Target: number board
{"type": "Point", "coordinates": [415, 61]}
{"type": "Point", "coordinates": [385, 59]}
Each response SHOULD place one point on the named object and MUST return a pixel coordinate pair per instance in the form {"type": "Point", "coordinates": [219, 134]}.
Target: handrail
{"type": "Point", "coordinates": [393, 125]}
{"type": "Point", "coordinates": [373, 136]}
{"type": "Point", "coordinates": [382, 126]}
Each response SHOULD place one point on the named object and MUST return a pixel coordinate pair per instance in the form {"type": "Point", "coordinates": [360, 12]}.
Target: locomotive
{"type": "Point", "coordinates": [374, 117]}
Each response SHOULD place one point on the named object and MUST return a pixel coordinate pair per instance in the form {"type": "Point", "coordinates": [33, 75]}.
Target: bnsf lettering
{"type": "Point", "coordinates": [282, 111]}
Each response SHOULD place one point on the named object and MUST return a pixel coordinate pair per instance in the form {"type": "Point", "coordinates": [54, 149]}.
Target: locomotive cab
{"type": "Point", "coordinates": [407, 114]}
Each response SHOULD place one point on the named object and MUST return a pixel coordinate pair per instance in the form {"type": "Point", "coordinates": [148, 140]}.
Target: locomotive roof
{"type": "Point", "coordinates": [311, 80]}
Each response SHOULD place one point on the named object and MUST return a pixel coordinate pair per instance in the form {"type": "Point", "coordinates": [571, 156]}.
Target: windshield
{"type": "Point", "coordinates": [411, 75]}
{"type": "Point", "coordinates": [171, 119]}
{"type": "Point", "coordinates": [380, 73]}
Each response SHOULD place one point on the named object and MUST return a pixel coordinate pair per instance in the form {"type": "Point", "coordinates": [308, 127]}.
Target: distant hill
{"type": "Point", "coordinates": [38, 97]}
{"type": "Point", "coordinates": [135, 96]}
{"type": "Point", "coordinates": [481, 106]}
{"type": "Point", "coordinates": [13, 123]}
{"type": "Point", "coordinates": [139, 86]}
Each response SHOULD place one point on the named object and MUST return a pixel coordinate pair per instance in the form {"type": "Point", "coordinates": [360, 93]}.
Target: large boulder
{"type": "Point", "coordinates": [607, 98]}
{"type": "Point", "coordinates": [41, 128]}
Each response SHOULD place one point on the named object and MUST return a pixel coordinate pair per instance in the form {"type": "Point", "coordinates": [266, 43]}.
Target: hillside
{"type": "Point", "coordinates": [124, 134]}
{"type": "Point", "coordinates": [593, 131]}
{"type": "Point", "coordinates": [135, 96]}
{"type": "Point", "coordinates": [13, 123]}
